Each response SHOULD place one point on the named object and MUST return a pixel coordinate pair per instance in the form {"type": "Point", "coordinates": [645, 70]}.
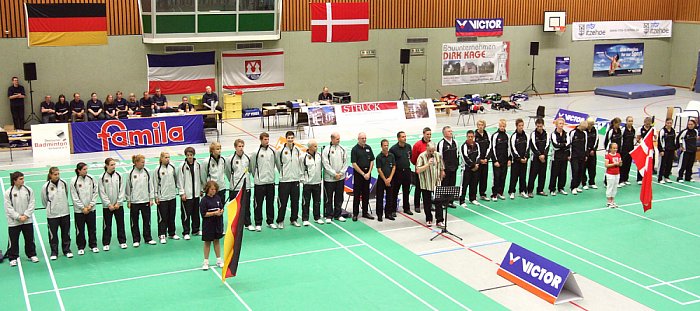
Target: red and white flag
{"type": "Point", "coordinates": [643, 156]}
{"type": "Point", "coordinates": [339, 22]}
{"type": "Point", "coordinates": [261, 70]}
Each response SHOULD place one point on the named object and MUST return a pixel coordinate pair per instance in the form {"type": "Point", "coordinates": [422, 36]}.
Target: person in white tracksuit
{"type": "Point", "coordinates": [165, 185]}
{"type": "Point", "coordinates": [191, 181]}
{"type": "Point", "coordinates": [262, 167]}
{"type": "Point", "coordinates": [83, 189]}
{"type": "Point", "coordinates": [289, 167]}
{"type": "Point", "coordinates": [237, 171]}
{"type": "Point", "coordinates": [113, 194]}
{"type": "Point", "coordinates": [54, 197]}
{"type": "Point", "coordinates": [312, 176]}
{"type": "Point", "coordinates": [214, 169]}
{"type": "Point", "coordinates": [139, 197]}
{"type": "Point", "coordinates": [19, 209]}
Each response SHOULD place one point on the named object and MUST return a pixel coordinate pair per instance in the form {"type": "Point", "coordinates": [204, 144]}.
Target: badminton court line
{"type": "Point", "coordinates": [570, 254]}
{"type": "Point", "coordinates": [415, 227]}
{"type": "Point", "coordinates": [595, 253]}
{"type": "Point", "coordinates": [19, 265]}
{"type": "Point", "coordinates": [48, 264]}
{"type": "Point", "coordinates": [232, 291]}
{"type": "Point", "coordinates": [403, 268]}
{"type": "Point", "coordinates": [675, 281]}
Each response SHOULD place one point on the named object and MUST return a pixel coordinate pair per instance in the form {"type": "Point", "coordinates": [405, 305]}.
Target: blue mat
{"type": "Point", "coordinates": [634, 91]}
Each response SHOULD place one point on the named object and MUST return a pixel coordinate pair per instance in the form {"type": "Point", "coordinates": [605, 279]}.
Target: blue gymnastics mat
{"type": "Point", "coordinates": [634, 91]}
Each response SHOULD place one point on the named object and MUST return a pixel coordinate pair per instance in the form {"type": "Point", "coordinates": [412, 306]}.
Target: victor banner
{"type": "Point", "coordinates": [561, 75]}
{"type": "Point", "coordinates": [621, 30]}
{"type": "Point", "coordinates": [475, 62]}
{"type": "Point", "coordinates": [618, 59]}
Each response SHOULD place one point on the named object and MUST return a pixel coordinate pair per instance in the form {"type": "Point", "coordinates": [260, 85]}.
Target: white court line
{"type": "Point", "coordinates": [19, 264]}
{"type": "Point", "coordinates": [466, 246]}
{"type": "Point", "coordinates": [594, 253]}
{"type": "Point", "coordinates": [661, 223]}
{"type": "Point", "coordinates": [48, 264]}
{"type": "Point", "coordinates": [231, 289]}
{"type": "Point", "coordinates": [675, 281]}
{"type": "Point", "coordinates": [188, 270]}
{"type": "Point", "coordinates": [572, 255]}
{"type": "Point", "coordinates": [555, 215]}
{"type": "Point", "coordinates": [403, 268]}
{"type": "Point", "coordinates": [414, 227]}
{"type": "Point", "coordinates": [375, 268]}
{"type": "Point", "coordinates": [691, 302]}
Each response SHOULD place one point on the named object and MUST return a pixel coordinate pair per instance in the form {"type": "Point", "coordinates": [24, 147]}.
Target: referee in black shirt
{"type": "Point", "coordinates": [402, 178]}
{"type": "Point", "coordinates": [16, 95]}
{"type": "Point", "coordinates": [362, 159]}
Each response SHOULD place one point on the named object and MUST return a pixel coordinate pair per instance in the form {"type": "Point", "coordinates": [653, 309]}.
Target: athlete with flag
{"type": "Point", "coordinates": [643, 156]}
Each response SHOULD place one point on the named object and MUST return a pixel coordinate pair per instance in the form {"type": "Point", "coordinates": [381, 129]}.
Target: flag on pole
{"type": "Point", "coordinates": [234, 234]}
{"type": "Point", "coordinates": [339, 22]}
{"type": "Point", "coordinates": [181, 73]}
{"type": "Point", "coordinates": [643, 156]}
{"type": "Point", "coordinates": [253, 70]}
{"type": "Point", "coordinates": [66, 24]}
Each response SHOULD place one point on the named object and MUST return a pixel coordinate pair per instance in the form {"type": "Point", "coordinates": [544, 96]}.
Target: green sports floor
{"type": "Point", "coordinates": [650, 258]}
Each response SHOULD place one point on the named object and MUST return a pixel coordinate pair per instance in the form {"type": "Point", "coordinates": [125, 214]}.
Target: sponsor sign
{"type": "Point", "coordinates": [475, 62]}
{"type": "Point", "coordinates": [561, 75]}
{"type": "Point", "coordinates": [50, 140]}
{"type": "Point", "coordinates": [134, 133]}
{"type": "Point", "coordinates": [618, 59]}
{"type": "Point", "coordinates": [621, 30]}
{"type": "Point", "coordinates": [481, 27]}
{"type": "Point", "coordinates": [572, 118]}
{"type": "Point", "coordinates": [540, 276]}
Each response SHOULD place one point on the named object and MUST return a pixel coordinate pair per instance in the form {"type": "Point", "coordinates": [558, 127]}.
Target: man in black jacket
{"type": "Point", "coordinates": [520, 153]}
{"type": "Point", "coordinates": [539, 144]}
{"type": "Point", "coordinates": [501, 160]}
{"type": "Point", "coordinates": [578, 142]}
{"type": "Point", "coordinates": [470, 169]}
{"type": "Point", "coordinates": [560, 143]}
{"type": "Point", "coordinates": [687, 141]}
{"type": "Point", "coordinates": [591, 159]}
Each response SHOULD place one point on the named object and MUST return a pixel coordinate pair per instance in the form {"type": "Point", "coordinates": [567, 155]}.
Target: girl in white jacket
{"type": "Point", "coordinates": [84, 193]}
{"type": "Point", "coordinates": [113, 194]}
{"type": "Point", "coordinates": [190, 187]}
{"type": "Point", "coordinates": [165, 181]}
{"type": "Point", "coordinates": [19, 209]}
{"type": "Point", "coordinates": [140, 195]}
{"type": "Point", "coordinates": [54, 197]}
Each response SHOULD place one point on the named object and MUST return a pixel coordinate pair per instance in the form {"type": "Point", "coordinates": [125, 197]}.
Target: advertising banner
{"type": "Point", "coordinates": [572, 118]}
{"type": "Point", "coordinates": [50, 140]}
{"type": "Point", "coordinates": [561, 75]}
{"type": "Point", "coordinates": [618, 59]}
{"type": "Point", "coordinates": [621, 30]}
{"type": "Point", "coordinates": [475, 62]}
{"type": "Point", "coordinates": [482, 27]}
{"type": "Point", "coordinates": [134, 133]}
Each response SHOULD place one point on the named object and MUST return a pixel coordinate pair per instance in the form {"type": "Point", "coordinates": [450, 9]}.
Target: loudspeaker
{"type": "Point", "coordinates": [534, 48]}
{"type": "Point", "coordinates": [405, 56]}
{"type": "Point", "coordinates": [29, 71]}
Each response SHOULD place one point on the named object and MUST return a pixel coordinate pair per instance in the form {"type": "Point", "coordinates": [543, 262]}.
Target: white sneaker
{"type": "Point", "coordinates": [563, 192]}
{"type": "Point", "coordinates": [494, 198]}
{"type": "Point", "coordinates": [329, 220]}
{"type": "Point", "coordinates": [691, 180]}
{"type": "Point", "coordinates": [95, 250]}
{"type": "Point", "coordinates": [175, 237]}
{"type": "Point", "coordinates": [574, 191]}
{"type": "Point", "coordinates": [122, 246]}
{"type": "Point", "coordinates": [296, 224]}
{"type": "Point", "coordinates": [258, 228]}
{"type": "Point", "coordinates": [594, 187]}
{"type": "Point", "coordinates": [13, 263]}
{"type": "Point", "coordinates": [320, 221]}
{"type": "Point", "coordinates": [280, 225]}
{"type": "Point", "coordinates": [306, 223]}
{"type": "Point", "coordinates": [662, 182]}
{"type": "Point", "coordinates": [500, 196]}
{"type": "Point", "coordinates": [639, 183]}
{"type": "Point", "coordinates": [626, 183]}
{"type": "Point", "coordinates": [585, 187]}
{"type": "Point", "coordinates": [205, 265]}
{"type": "Point", "coordinates": [53, 257]}
{"type": "Point", "coordinates": [219, 263]}
{"type": "Point", "coordinates": [81, 252]}
{"type": "Point", "coordinates": [681, 181]}
{"type": "Point", "coordinates": [552, 193]}
{"type": "Point", "coordinates": [151, 242]}
{"type": "Point", "coordinates": [69, 255]}
{"type": "Point", "coordinates": [620, 185]}
{"type": "Point", "coordinates": [34, 259]}
{"type": "Point", "coordinates": [272, 226]}
{"type": "Point", "coordinates": [512, 196]}
{"type": "Point", "coordinates": [251, 228]}
{"type": "Point", "coordinates": [475, 202]}
{"type": "Point", "coordinates": [186, 237]}
{"type": "Point", "coordinates": [163, 240]}
{"type": "Point", "coordinates": [668, 180]}
{"type": "Point", "coordinates": [198, 232]}
{"type": "Point", "coordinates": [105, 248]}
{"type": "Point", "coordinates": [341, 219]}
{"type": "Point", "coordinates": [524, 195]}
{"type": "Point", "coordinates": [485, 198]}
{"type": "Point", "coordinates": [137, 244]}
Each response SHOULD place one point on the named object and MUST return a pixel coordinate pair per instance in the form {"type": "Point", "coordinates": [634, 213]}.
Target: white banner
{"type": "Point", "coordinates": [50, 141]}
{"type": "Point", "coordinates": [475, 62]}
{"type": "Point", "coordinates": [253, 70]}
{"type": "Point", "coordinates": [621, 30]}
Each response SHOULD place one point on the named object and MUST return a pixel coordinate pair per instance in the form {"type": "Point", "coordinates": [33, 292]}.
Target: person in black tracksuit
{"type": "Point", "coordinates": [500, 149]}
{"type": "Point", "coordinates": [629, 135]}
{"type": "Point", "coordinates": [402, 177]}
{"type": "Point", "coordinates": [641, 133]}
{"type": "Point", "coordinates": [613, 134]}
{"type": "Point", "coordinates": [539, 145]}
{"type": "Point", "coordinates": [560, 161]}
{"type": "Point", "coordinates": [519, 152]}
{"type": "Point", "coordinates": [589, 170]}
{"type": "Point", "coordinates": [447, 147]}
{"type": "Point", "coordinates": [481, 137]}
{"type": "Point", "coordinates": [470, 169]}
{"type": "Point", "coordinates": [687, 141]}
{"type": "Point", "coordinates": [667, 151]}
{"type": "Point", "coordinates": [578, 142]}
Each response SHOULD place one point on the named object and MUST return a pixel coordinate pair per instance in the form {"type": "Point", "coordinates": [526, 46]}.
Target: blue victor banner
{"type": "Point", "coordinates": [561, 75]}
{"type": "Point", "coordinates": [135, 133]}
{"type": "Point", "coordinates": [481, 27]}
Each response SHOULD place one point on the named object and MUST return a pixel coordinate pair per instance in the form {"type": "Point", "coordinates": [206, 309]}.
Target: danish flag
{"type": "Point", "coordinates": [643, 156]}
{"type": "Point", "coordinates": [339, 22]}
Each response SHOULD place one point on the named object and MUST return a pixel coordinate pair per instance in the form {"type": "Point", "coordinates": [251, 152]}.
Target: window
{"type": "Point", "coordinates": [216, 5]}
{"type": "Point", "coordinates": [257, 5]}
{"type": "Point", "coordinates": [175, 6]}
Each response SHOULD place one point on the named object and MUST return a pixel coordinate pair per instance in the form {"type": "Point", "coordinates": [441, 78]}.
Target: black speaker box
{"type": "Point", "coordinates": [534, 48]}
{"type": "Point", "coordinates": [29, 71]}
{"type": "Point", "coordinates": [405, 56]}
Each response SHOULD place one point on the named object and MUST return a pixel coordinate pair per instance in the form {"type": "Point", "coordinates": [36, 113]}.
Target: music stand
{"type": "Point", "coordinates": [446, 194]}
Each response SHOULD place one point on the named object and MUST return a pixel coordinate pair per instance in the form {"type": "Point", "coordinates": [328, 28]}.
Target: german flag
{"type": "Point", "coordinates": [234, 234]}
{"type": "Point", "coordinates": [66, 24]}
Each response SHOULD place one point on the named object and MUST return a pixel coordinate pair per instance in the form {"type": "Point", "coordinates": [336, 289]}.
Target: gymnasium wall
{"type": "Point", "coordinates": [684, 52]}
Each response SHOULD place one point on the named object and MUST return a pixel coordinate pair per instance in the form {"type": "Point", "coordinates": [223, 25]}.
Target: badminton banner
{"type": "Point", "coordinates": [561, 75]}
{"type": "Point", "coordinates": [475, 62]}
{"type": "Point", "coordinates": [621, 30]}
{"type": "Point", "coordinates": [253, 71]}
{"type": "Point", "coordinates": [618, 59]}
{"type": "Point", "coordinates": [50, 140]}
{"type": "Point", "coordinates": [487, 27]}
{"type": "Point", "coordinates": [571, 118]}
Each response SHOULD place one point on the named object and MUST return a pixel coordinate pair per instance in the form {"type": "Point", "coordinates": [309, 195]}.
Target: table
{"type": "Point", "coordinates": [207, 112]}
{"type": "Point", "coordinates": [443, 105]}
{"type": "Point", "coordinates": [272, 108]}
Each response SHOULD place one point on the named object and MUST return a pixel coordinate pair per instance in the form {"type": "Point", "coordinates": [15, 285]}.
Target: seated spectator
{"type": "Point", "coordinates": [48, 110]}
{"type": "Point", "coordinates": [63, 111]}
{"type": "Point", "coordinates": [209, 98]}
{"type": "Point", "coordinates": [186, 106]}
{"type": "Point", "coordinates": [133, 106]}
{"type": "Point", "coordinates": [95, 108]}
{"type": "Point", "coordinates": [77, 107]}
{"type": "Point", "coordinates": [110, 108]}
{"type": "Point", "coordinates": [160, 102]}
{"type": "Point", "coordinates": [325, 96]}
{"type": "Point", "coordinates": [122, 106]}
{"type": "Point", "coordinates": [146, 101]}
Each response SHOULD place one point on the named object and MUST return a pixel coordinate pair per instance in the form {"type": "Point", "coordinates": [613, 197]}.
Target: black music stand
{"type": "Point", "coordinates": [443, 195]}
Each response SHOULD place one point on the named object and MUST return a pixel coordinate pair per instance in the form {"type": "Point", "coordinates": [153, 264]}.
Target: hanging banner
{"type": "Point", "coordinates": [50, 140]}
{"type": "Point", "coordinates": [561, 75]}
{"type": "Point", "coordinates": [135, 133]}
{"type": "Point", "coordinates": [621, 30]}
{"type": "Point", "coordinates": [253, 71]}
{"type": "Point", "coordinates": [618, 59]}
{"type": "Point", "coordinates": [475, 62]}
{"type": "Point", "coordinates": [486, 27]}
